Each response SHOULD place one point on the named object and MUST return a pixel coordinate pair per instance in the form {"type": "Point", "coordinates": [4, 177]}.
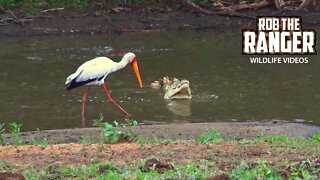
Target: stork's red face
{"type": "Point", "coordinates": [136, 70]}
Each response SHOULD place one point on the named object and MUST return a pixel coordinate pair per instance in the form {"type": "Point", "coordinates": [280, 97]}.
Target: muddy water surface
{"type": "Point", "coordinates": [225, 86]}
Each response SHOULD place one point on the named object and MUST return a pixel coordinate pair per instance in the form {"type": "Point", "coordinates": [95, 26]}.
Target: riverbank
{"type": "Point", "coordinates": [106, 18]}
{"type": "Point", "coordinates": [168, 151]}
{"type": "Point", "coordinates": [236, 130]}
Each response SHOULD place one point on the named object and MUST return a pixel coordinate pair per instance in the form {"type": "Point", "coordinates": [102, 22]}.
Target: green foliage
{"type": "Point", "coordinates": [191, 171]}
{"type": "Point", "coordinates": [4, 165]}
{"type": "Point", "coordinates": [99, 122]}
{"type": "Point", "coordinates": [16, 132]}
{"type": "Point", "coordinates": [84, 140]}
{"type": "Point", "coordinates": [72, 3]}
{"type": "Point", "coordinates": [153, 140]}
{"type": "Point", "coordinates": [7, 3]}
{"type": "Point", "coordinates": [50, 3]}
{"type": "Point", "coordinates": [306, 170]}
{"type": "Point", "coordinates": [316, 137]}
{"type": "Point", "coordinates": [259, 171]}
{"type": "Point", "coordinates": [267, 138]}
{"type": "Point", "coordinates": [209, 137]}
{"type": "Point", "coordinates": [114, 134]}
{"type": "Point", "coordinates": [43, 143]}
{"type": "Point", "coordinates": [146, 175]}
{"type": "Point", "coordinates": [31, 172]}
{"type": "Point", "coordinates": [104, 170]}
{"type": "Point", "coordinates": [187, 171]}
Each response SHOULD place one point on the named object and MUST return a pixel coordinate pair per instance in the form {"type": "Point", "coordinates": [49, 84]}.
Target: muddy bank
{"type": "Point", "coordinates": [237, 130]}
{"type": "Point", "coordinates": [138, 19]}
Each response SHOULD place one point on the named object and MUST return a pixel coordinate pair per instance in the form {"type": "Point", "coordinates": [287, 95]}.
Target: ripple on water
{"type": "Point", "coordinates": [205, 97]}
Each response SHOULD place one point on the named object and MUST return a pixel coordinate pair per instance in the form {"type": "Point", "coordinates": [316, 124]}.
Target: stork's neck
{"type": "Point", "coordinates": [119, 65]}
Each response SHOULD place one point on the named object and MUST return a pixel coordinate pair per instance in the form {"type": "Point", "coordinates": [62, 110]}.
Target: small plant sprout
{"type": "Point", "coordinates": [43, 144]}
{"type": "Point", "coordinates": [84, 140]}
{"type": "Point", "coordinates": [15, 131]}
{"type": "Point", "coordinates": [99, 122]}
{"type": "Point", "coordinates": [316, 137]}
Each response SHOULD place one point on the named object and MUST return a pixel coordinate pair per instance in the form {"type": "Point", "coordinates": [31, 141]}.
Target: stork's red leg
{"type": "Point", "coordinates": [112, 101]}
{"type": "Point", "coordinates": [84, 98]}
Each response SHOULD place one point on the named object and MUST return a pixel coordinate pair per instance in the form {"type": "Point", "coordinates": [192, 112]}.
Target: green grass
{"type": "Point", "coordinates": [209, 137]}
{"type": "Point", "coordinates": [84, 140]}
{"type": "Point", "coordinates": [106, 170]}
{"type": "Point", "coordinates": [43, 143]}
{"type": "Point", "coordinates": [268, 138]}
{"type": "Point", "coordinates": [15, 132]}
{"type": "Point", "coordinates": [153, 140]}
{"type": "Point", "coordinates": [113, 133]}
{"type": "Point", "coordinates": [259, 171]}
{"type": "Point", "coordinates": [198, 169]}
{"type": "Point", "coordinates": [5, 165]}
{"type": "Point", "coordinates": [316, 137]}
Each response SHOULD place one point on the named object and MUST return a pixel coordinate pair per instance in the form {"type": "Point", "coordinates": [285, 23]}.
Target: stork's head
{"type": "Point", "coordinates": [131, 58]}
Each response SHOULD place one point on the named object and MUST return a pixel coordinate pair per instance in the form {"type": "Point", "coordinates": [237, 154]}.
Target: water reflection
{"type": "Point", "coordinates": [180, 107]}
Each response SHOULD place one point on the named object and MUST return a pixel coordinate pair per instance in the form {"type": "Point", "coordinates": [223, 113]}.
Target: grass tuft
{"type": "Point", "coordinates": [316, 137]}
{"type": "Point", "coordinates": [259, 171]}
{"type": "Point", "coordinates": [114, 133]}
{"type": "Point", "coordinates": [209, 137]}
{"type": "Point", "coordinates": [16, 133]}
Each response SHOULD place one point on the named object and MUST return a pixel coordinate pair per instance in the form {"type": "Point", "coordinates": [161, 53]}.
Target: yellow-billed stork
{"type": "Point", "coordinates": [93, 72]}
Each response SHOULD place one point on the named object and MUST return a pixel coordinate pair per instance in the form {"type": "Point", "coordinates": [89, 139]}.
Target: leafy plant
{"type": "Point", "coordinates": [113, 133]}
{"type": "Point", "coordinates": [2, 131]}
{"type": "Point", "coordinates": [268, 138]}
{"type": "Point", "coordinates": [209, 137]}
{"type": "Point", "coordinates": [307, 169]}
{"type": "Point", "coordinates": [316, 137]}
{"type": "Point", "coordinates": [99, 122]}
{"type": "Point", "coordinates": [16, 132]}
{"type": "Point", "coordinates": [43, 144]}
{"type": "Point", "coordinates": [256, 171]}
{"type": "Point", "coordinates": [131, 122]}
{"type": "Point", "coordinates": [84, 140]}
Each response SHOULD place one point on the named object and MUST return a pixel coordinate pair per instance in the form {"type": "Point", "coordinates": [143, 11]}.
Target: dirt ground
{"type": "Point", "coordinates": [187, 131]}
{"type": "Point", "coordinates": [128, 153]}
{"type": "Point", "coordinates": [110, 19]}
{"type": "Point", "coordinates": [226, 154]}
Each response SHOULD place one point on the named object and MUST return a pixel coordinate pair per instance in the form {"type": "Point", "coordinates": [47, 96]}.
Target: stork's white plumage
{"type": "Point", "coordinates": [94, 72]}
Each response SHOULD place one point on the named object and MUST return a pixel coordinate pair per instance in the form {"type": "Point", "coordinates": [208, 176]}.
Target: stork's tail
{"type": "Point", "coordinates": [69, 86]}
{"type": "Point", "coordinates": [72, 81]}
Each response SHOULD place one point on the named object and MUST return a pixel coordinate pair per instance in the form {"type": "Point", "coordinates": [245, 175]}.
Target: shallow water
{"type": "Point", "coordinates": [225, 86]}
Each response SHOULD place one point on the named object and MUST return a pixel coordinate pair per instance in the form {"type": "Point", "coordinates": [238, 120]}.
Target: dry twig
{"type": "Point", "coordinates": [226, 12]}
{"type": "Point", "coordinates": [50, 10]}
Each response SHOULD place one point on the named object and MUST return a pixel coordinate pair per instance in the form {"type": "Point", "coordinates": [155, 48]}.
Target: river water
{"type": "Point", "coordinates": [226, 87]}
